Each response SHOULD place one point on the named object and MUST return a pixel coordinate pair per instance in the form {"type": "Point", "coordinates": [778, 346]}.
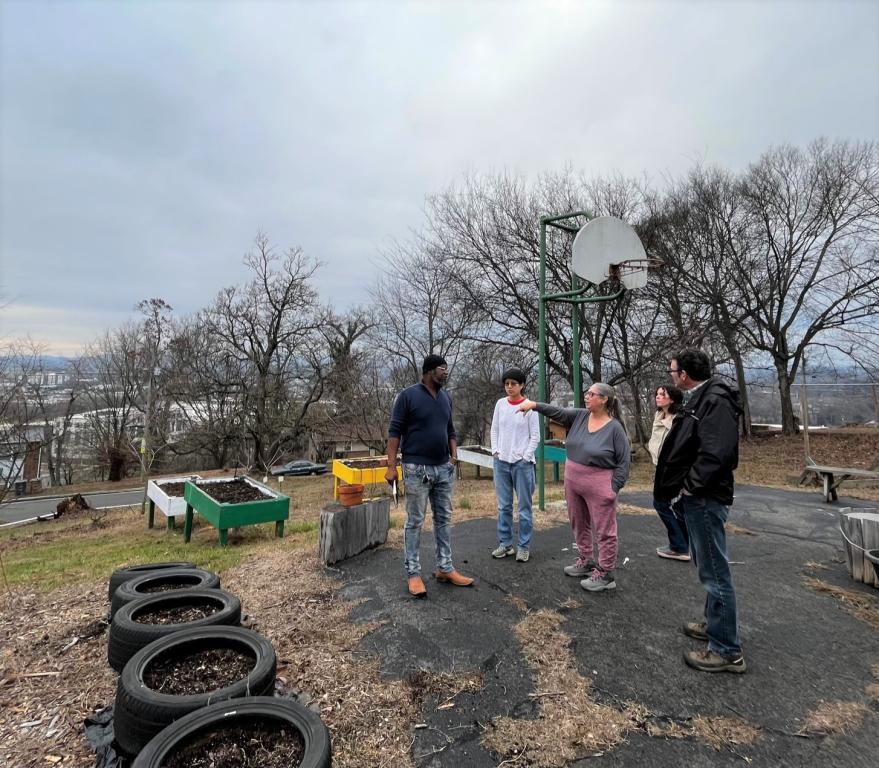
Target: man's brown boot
{"type": "Point", "coordinates": [453, 577]}
{"type": "Point", "coordinates": [416, 587]}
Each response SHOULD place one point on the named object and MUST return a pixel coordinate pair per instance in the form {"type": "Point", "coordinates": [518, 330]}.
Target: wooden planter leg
{"type": "Point", "coordinates": [187, 524]}
{"type": "Point", "coordinates": [151, 518]}
{"type": "Point", "coordinates": [224, 537]}
{"type": "Point", "coordinates": [279, 529]}
{"type": "Point", "coordinates": [171, 521]}
{"type": "Point", "coordinates": [828, 483]}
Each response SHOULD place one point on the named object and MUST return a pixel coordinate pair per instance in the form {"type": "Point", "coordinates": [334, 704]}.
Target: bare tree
{"type": "Point", "coordinates": [816, 214]}
{"type": "Point", "coordinates": [113, 370]}
{"type": "Point", "coordinates": [206, 384]}
{"type": "Point", "coordinates": [704, 237]}
{"type": "Point", "coordinates": [271, 328]}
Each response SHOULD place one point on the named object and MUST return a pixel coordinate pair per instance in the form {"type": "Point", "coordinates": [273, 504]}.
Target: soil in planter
{"type": "Point", "coordinates": [172, 489]}
{"type": "Point", "coordinates": [366, 463]}
{"type": "Point", "coordinates": [179, 614]}
{"type": "Point", "coordinates": [233, 492]}
{"type": "Point", "coordinates": [254, 744]}
{"type": "Point", "coordinates": [168, 586]}
{"type": "Point", "coordinates": [207, 669]}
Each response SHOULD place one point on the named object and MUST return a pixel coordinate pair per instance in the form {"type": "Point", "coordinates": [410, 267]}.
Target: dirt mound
{"type": "Point", "coordinates": [74, 504]}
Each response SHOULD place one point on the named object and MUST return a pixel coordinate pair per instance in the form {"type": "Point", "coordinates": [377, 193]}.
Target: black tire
{"type": "Point", "coordinates": [121, 575]}
{"type": "Point", "coordinates": [314, 733]}
{"type": "Point", "coordinates": [139, 586]}
{"type": "Point", "coordinates": [128, 636]}
{"type": "Point", "coordinates": [141, 712]}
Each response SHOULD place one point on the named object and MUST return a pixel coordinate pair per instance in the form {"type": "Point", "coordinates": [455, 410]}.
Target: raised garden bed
{"type": "Point", "coordinates": [476, 454]}
{"type": "Point", "coordinates": [234, 503]}
{"type": "Point", "coordinates": [368, 471]}
{"type": "Point", "coordinates": [167, 494]}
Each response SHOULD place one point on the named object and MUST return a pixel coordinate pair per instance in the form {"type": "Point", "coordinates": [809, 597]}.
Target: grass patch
{"type": "Point", "coordinates": [720, 732]}
{"type": "Point", "coordinates": [73, 551]}
{"type": "Point", "coordinates": [571, 725]}
{"type": "Point", "coordinates": [464, 503]}
{"type": "Point", "coordinates": [834, 717]}
{"type": "Point", "coordinates": [738, 530]}
{"type": "Point", "coordinates": [858, 604]}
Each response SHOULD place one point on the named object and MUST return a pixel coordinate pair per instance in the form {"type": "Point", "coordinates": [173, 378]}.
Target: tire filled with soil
{"type": "Point", "coordinates": [186, 671]}
{"type": "Point", "coordinates": [146, 619]}
{"type": "Point", "coordinates": [166, 580]}
{"type": "Point", "coordinates": [257, 732]}
{"type": "Point", "coordinates": [121, 575]}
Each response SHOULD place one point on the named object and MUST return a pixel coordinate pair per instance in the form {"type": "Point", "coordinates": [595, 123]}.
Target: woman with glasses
{"type": "Point", "coordinates": [668, 402]}
{"type": "Point", "coordinates": [596, 468]}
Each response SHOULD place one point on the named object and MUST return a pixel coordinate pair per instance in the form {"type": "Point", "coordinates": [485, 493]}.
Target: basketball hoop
{"type": "Point", "coordinates": [632, 273]}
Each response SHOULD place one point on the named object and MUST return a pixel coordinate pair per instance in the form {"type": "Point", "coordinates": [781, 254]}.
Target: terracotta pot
{"type": "Point", "coordinates": [349, 495]}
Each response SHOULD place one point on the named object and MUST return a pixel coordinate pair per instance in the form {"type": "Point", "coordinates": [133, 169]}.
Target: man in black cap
{"type": "Point", "coordinates": [422, 420]}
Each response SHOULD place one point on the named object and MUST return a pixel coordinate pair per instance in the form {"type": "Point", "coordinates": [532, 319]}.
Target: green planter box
{"type": "Point", "coordinates": [225, 516]}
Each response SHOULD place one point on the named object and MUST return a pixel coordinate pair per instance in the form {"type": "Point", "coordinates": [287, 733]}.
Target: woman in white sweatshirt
{"type": "Point", "coordinates": [513, 442]}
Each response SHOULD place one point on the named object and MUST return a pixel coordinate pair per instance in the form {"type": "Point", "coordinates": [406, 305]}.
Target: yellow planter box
{"type": "Point", "coordinates": [342, 471]}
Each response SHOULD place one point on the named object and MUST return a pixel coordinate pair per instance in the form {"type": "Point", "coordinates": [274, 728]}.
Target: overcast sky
{"type": "Point", "coordinates": [144, 144]}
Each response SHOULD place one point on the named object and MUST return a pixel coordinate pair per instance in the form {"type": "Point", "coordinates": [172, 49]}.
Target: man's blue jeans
{"type": "Point", "coordinates": [705, 519]}
{"type": "Point", "coordinates": [434, 483]}
{"type": "Point", "coordinates": [678, 538]}
{"type": "Point", "coordinates": [518, 476]}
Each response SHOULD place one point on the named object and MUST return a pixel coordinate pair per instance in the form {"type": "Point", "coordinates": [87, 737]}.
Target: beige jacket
{"type": "Point", "coordinates": [661, 426]}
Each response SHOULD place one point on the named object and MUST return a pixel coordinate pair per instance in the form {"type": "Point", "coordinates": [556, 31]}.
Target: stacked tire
{"type": "Point", "coordinates": [152, 718]}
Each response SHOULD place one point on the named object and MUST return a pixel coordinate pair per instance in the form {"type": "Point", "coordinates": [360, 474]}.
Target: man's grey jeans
{"type": "Point", "coordinates": [435, 483]}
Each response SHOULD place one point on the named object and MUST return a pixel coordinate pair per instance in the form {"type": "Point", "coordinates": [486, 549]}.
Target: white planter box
{"type": "Point", "coordinates": [476, 454]}
{"type": "Point", "coordinates": [170, 506]}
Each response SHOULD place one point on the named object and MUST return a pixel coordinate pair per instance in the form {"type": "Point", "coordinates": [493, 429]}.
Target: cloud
{"type": "Point", "coordinates": [143, 145]}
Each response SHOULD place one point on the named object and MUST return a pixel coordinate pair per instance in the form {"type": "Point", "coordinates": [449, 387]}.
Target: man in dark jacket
{"type": "Point", "coordinates": [695, 470]}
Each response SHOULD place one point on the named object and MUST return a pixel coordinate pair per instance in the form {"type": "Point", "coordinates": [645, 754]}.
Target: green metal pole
{"type": "Point", "coordinates": [575, 346]}
{"type": "Point", "coordinates": [541, 365]}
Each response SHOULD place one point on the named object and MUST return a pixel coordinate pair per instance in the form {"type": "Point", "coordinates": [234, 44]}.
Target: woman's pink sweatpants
{"type": "Point", "coordinates": [592, 510]}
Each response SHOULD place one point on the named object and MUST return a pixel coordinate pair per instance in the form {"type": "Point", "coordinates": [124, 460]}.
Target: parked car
{"type": "Point", "coordinates": [300, 467]}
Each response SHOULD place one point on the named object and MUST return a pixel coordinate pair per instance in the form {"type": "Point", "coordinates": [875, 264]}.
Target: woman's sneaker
{"type": "Point", "coordinates": [669, 554]}
{"type": "Point", "coordinates": [598, 582]}
{"type": "Point", "coordinates": [503, 551]}
{"type": "Point", "coordinates": [580, 569]}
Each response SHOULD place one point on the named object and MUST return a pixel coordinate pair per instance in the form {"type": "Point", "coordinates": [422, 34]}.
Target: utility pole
{"type": "Point", "coordinates": [145, 440]}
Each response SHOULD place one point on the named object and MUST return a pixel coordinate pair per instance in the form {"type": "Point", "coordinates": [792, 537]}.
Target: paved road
{"type": "Point", "coordinates": [27, 509]}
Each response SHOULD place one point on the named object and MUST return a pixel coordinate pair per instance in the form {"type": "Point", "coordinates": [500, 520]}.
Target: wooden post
{"type": "Point", "coordinates": [347, 531]}
{"type": "Point", "coordinates": [860, 528]}
{"type": "Point", "coordinates": [804, 418]}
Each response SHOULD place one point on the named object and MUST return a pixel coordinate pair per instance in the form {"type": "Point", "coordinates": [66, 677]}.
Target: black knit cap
{"type": "Point", "coordinates": [431, 362]}
{"type": "Point", "coordinates": [516, 374]}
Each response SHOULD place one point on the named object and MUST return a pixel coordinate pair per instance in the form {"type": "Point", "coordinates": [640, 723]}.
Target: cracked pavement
{"type": "Point", "coordinates": [801, 647]}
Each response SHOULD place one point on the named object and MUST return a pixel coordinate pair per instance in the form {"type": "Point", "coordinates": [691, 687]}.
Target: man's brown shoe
{"type": "Point", "coordinates": [416, 587]}
{"type": "Point", "coordinates": [453, 577]}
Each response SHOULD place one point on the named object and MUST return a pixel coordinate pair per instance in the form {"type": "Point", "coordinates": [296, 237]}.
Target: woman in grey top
{"type": "Point", "coordinates": [596, 468]}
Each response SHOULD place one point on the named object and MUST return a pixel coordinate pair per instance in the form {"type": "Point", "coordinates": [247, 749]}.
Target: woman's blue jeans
{"type": "Point", "coordinates": [434, 483]}
{"type": "Point", "coordinates": [705, 520]}
{"type": "Point", "coordinates": [518, 476]}
{"type": "Point", "coordinates": [678, 538]}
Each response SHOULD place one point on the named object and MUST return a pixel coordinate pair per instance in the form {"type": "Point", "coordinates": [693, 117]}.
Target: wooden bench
{"type": "Point", "coordinates": [832, 477]}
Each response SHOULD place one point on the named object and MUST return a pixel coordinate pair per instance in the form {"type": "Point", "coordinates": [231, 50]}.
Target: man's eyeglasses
{"type": "Point", "coordinates": [442, 368]}
{"type": "Point", "coordinates": [674, 370]}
